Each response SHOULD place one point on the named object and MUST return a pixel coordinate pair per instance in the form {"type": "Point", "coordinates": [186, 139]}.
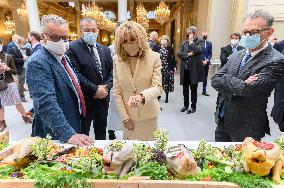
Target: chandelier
{"type": "Point", "coordinates": [22, 11]}
{"type": "Point", "coordinates": [9, 24]}
{"type": "Point", "coordinates": [141, 16]}
{"type": "Point", "coordinates": [162, 13]}
{"type": "Point", "coordinates": [95, 12]}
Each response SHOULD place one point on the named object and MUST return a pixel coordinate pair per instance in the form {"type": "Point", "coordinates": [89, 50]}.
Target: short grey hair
{"type": "Point", "coordinates": [86, 19]}
{"type": "Point", "coordinates": [192, 29]}
{"type": "Point", "coordinates": [263, 14]}
{"type": "Point", "coordinates": [51, 18]}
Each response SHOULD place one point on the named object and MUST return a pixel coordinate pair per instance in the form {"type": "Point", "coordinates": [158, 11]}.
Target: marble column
{"type": "Point", "coordinates": [33, 15]}
{"type": "Point", "coordinates": [122, 10]}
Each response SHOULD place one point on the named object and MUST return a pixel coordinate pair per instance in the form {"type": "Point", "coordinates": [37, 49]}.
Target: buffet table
{"type": "Point", "coordinates": [138, 182]}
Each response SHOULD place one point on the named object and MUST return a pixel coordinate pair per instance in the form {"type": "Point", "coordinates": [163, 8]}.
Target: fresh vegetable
{"type": "Point", "coordinates": [161, 138]}
{"type": "Point", "coordinates": [142, 154]}
{"type": "Point", "coordinates": [6, 171]}
{"type": "Point", "coordinates": [3, 145]}
{"type": "Point", "coordinates": [42, 148]}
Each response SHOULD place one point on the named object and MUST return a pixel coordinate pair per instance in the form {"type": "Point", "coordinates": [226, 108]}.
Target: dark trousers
{"type": "Point", "coordinates": [21, 82]}
{"type": "Point", "coordinates": [223, 136]}
{"type": "Point", "coordinates": [206, 68]}
{"type": "Point", "coordinates": [97, 113]}
{"type": "Point", "coordinates": [193, 89]}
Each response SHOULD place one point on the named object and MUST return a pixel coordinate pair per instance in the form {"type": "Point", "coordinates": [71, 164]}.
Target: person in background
{"type": "Point", "coordinates": [153, 41]}
{"type": "Point", "coordinates": [168, 65]}
{"type": "Point", "coordinates": [207, 55]}
{"type": "Point", "coordinates": [59, 102]}
{"type": "Point", "coordinates": [231, 48]}
{"type": "Point", "coordinates": [191, 68]}
{"type": "Point", "coordinates": [13, 43]}
{"type": "Point", "coordinates": [137, 82]}
{"type": "Point", "coordinates": [93, 64]}
{"type": "Point", "coordinates": [20, 54]}
{"type": "Point", "coordinates": [10, 96]}
{"type": "Point", "coordinates": [246, 81]}
{"type": "Point", "coordinates": [279, 46]}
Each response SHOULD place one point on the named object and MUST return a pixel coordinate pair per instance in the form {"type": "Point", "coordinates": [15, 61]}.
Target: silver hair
{"type": "Point", "coordinates": [51, 18]}
{"type": "Point", "coordinates": [192, 29]}
{"type": "Point", "coordinates": [263, 14]}
{"type": "Point", "coordinates": [86, 19]}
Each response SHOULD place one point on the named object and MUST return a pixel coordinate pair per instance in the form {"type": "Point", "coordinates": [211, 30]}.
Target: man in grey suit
{"type": "Point", "coordinates": [246, 82]}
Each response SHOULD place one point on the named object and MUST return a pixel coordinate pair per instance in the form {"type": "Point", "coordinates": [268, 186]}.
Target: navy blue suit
{"type": "Point", "coordinates": [88, 72]}
{"type": "Point", "coordinates": [36, 48]}
{"type": "Point", "coordinates": [10, 45]}
{"type": "Point", "coordinates": [55, 101]}
{"type": "Point", "coordinates": [279, 46]}
{"type": "Point", "coordinates": [207, 55]}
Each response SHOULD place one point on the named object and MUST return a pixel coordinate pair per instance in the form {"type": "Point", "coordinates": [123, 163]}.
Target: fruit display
{"type": "Point", "coordinates": [250, 164]}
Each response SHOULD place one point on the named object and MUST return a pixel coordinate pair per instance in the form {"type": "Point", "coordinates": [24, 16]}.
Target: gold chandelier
{"type": "Point", "coordinates": [141, 16]}
{"type": "Point", "coordinates": [9, 24]}
{"type": "Point", "coordinates": [22, 11]}
{"type": "Point", "coordinates": [162, 13]}
{"type": "Point", "coordinates": [95, 12]}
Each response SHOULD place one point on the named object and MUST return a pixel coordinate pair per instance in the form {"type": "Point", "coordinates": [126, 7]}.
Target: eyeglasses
{"type": "Point", "coordinates": [56, 38]}
{"type": "Point", "coordinates": [90, 30]}
{"type": "Point", "coordinates": [254, 32]}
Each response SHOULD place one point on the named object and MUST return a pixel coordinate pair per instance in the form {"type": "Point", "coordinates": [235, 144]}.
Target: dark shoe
{"type": "Point", "coordinates": [23, 99]}
{"type": "Point", "coordinates": [111, 135]}
{"type": "Point", "coordinates": [205, 94]}
{"type": "Point", "coordinates": [184, 109]}
{"type": "Point", "coordinates": [166, 101]}
{"type": "Point", "coordinates": [3, 125]}
{"type": "Point", "coordinates": [27, 119]}
{"type": "Point", "coordinates": [190, 111]}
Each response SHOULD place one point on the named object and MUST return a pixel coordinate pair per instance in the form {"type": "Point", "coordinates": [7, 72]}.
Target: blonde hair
{"type": "Point", "coordinates": [136, 31]}
{"type": "Point", "coordinates": [166, 38]}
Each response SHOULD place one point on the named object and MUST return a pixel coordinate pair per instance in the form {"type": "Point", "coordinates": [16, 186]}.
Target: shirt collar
{"type": "Point", "coordinates": [254, 53]}
{"type": "Point", "coordinates": [33, 46]}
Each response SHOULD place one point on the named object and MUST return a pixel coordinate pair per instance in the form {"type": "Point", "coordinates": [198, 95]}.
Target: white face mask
{"type": "Point", "coordinates": [1, 47]}
{"type": "Point", "coordinates": [59, 48]}
{"type": "Point", "coordinates": [234, 42]}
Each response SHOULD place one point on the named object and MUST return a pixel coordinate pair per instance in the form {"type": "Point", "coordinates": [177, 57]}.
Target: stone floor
{"type": "Point", "coordinates": [181, 126]}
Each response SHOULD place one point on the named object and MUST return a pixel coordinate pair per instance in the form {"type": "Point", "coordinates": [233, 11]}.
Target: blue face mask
{"type": "Point", "coordinates": [90, 37]}
{"type": "Point", "coordinates": [250, 42]}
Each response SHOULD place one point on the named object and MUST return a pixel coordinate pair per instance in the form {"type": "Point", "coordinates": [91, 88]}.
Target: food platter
{"type": "Point", "coordinates": [37, 162]}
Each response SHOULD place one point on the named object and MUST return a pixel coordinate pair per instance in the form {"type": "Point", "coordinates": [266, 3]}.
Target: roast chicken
{"type": "Point", "coordinates": [18, 155]}
{"type": "Point", "coordinates": [262, 158]}
{"type": "Point", "coordinates": [180, 162]}
{"type": "Point", "coordinates": [118, 158]}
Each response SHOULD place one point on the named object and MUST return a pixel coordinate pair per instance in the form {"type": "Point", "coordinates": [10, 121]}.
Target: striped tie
{"type": "Point", "coordinates": [244, 61]}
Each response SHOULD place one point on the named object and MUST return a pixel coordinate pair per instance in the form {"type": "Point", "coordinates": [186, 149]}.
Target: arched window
{"type": "Point", "coordinates": [110, 15]}
{"type": "Point", "coordinates": [151, 15]}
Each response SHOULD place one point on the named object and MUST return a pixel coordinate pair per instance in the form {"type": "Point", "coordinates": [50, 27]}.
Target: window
{"type": "Point", "coordinates": [151, 15]}
{"type": "Point", "coordinates": [110, 15]}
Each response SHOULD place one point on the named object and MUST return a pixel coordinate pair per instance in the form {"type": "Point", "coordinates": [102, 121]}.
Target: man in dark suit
{"type": "Point", "coordinates": [20, 54]}
{"type": "Point", "coordinates": [246, 82]}
{"type": "Point", "coordinates": [231, 48]}
{"type": "Point", "coordinates": [207, 55]}
{"type": "Point", "coordinates": [93, 64]}
{"type": "Point", "coordinates": [191, 68]}
{"type": "Point", "coordinates": [279, 46]}
{"type": "Point", "coordinates": [34, 39]}
{"type": "Point", "coordinates": [58, 99]}
{"type": "Point", "coordinates": [13, 43]}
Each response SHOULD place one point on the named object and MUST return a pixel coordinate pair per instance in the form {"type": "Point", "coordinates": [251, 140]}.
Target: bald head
{"type": "Point", "coordinates": [154, 36]}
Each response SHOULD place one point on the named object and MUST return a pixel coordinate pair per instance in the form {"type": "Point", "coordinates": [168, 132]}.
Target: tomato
{"type": "Point", "coordinates": [100, 150]}
{"type": "Point", "coordinates": [263, 145]}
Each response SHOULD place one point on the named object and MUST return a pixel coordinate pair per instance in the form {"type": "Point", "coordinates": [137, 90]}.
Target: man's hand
{"type": "Point", "coordinates": [2, 68]}
{"type": "Point", "coordinates": [205, 62]}
{"type": "Point", "coordinates": [129, 125]}
{"type": "Point", "coordinates": [190, 54]}
{"type": "Point", "coordinates": [251, 79]}
{"type": "Point", "coordinates": [102, 92]}
{"type": "Point", "coordinates": [81, 140]}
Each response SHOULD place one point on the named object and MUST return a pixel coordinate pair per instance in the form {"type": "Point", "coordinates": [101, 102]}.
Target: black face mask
{"type": "Point", "coordinates": [204, 37]}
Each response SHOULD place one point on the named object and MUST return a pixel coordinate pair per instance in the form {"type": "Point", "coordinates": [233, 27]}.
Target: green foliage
{"type": "Point", "coordinates": [154, 170]}
{"type": "Point", "coordinates": [42, 148]}
{"type": "Point", "coordinates": [219, 174]}
{"type": "Point", "coordinates": [142, 154]}
{"type": "Point", "coordinates": [3, 145]}
{"type": "Point", "coordinates": [280, 142]}
{"type": "Point", "coordinates": [203, 150]}
{"type": "Point", "coordinates": [6, 171]}
{"type": "Point", "coordinates": [116, 145]}
{"type": "Point", "coordinates": [161, 138]}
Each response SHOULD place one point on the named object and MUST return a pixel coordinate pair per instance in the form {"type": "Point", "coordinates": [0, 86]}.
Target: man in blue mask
{"type": "Point", "coordinates": [93, 64]}
{"type": "Point", "coordinates": [246, 82]}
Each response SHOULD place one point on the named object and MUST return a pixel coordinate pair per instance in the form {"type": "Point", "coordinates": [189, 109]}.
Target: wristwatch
{"type": "Point", "coordinates": [124, 121]}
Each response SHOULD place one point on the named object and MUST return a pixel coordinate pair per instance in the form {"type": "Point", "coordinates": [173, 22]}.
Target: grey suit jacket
{"type": "Point", "coordinates": [245, 104]}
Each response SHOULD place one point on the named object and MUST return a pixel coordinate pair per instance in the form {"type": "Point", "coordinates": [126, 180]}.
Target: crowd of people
{"type": "Point", "coordinates": [77, 85]}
